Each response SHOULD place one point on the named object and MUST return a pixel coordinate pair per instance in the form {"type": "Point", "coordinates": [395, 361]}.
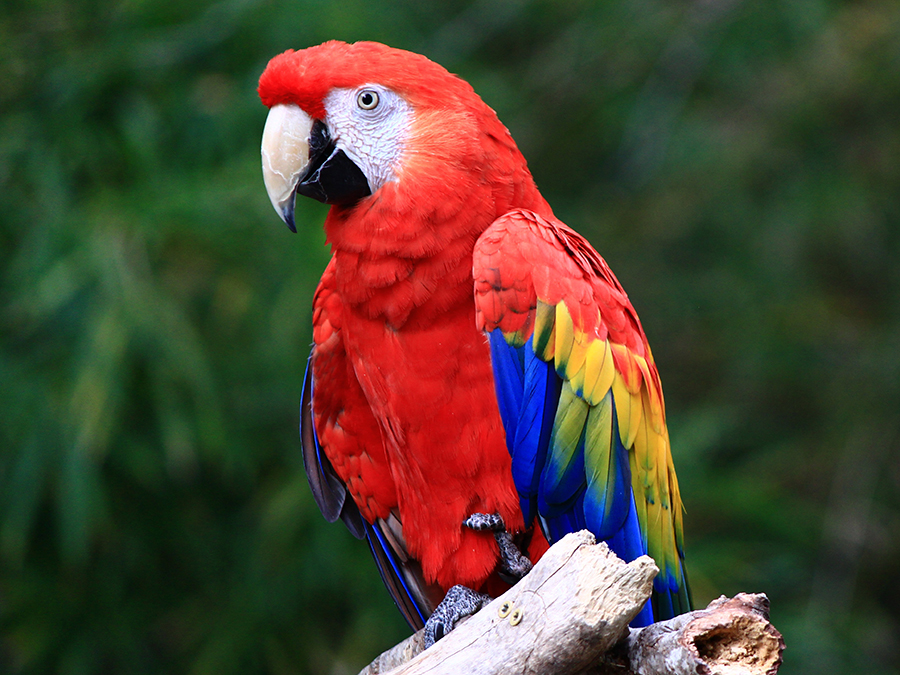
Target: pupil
{"type": "Point", "coordinates": [367, 99]}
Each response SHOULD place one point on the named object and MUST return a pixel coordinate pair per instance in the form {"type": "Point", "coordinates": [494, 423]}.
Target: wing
{"type": "Point", "coordinates": [345, 462]}
{"type": "Point", "coordinates": [580, 397]}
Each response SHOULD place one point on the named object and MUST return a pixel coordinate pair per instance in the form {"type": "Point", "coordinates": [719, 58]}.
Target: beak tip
{"type": "Point", "coordinates": [287, 215]}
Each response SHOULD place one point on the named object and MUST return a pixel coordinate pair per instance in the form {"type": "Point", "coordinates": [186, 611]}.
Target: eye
{"type": "Point", "coordinates": [367, 99]}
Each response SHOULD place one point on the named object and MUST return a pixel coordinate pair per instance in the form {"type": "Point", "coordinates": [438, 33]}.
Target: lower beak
{"type": "Point", "coordinates": [299, 156]}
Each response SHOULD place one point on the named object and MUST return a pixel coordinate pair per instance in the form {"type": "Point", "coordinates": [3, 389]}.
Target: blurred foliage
{"type": "Point", "coordinates": [738, 164]}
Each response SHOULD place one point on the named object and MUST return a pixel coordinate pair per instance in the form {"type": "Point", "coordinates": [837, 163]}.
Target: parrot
{"type": "Point", "coordinates": [479, 383]}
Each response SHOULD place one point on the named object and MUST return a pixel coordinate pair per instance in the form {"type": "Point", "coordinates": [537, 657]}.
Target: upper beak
{"type": "Point", "coordinates": [285, 156]}
{"type": "Point", "coordinates": [299, 156]}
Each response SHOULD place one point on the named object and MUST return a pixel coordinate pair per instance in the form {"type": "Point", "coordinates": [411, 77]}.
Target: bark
{"type": "Point", "coordinates": [570, 615]}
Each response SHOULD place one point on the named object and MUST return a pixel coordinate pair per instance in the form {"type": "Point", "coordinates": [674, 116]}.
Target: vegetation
{"type": "Point", "coordinates": [738, 165]}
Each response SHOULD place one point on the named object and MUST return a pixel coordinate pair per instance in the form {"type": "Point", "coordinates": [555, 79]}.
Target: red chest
{"type": "Point", "coordinates": [426, 374]}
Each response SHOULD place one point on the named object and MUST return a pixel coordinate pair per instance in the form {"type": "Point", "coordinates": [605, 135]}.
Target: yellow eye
{"type": "Point", "coordinates": [367, 99]}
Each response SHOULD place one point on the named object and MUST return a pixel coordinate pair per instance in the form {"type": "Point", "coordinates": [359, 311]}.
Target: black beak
{"type": "Point", "coordinates": [332, 178]}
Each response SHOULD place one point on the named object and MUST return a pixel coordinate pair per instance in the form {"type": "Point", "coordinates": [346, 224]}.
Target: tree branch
{"type": "Point", "coordinates": [570, 615]}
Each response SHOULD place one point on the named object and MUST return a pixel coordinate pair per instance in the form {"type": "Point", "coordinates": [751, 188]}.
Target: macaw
{"type": "Point", "coordinates": [471, 353]}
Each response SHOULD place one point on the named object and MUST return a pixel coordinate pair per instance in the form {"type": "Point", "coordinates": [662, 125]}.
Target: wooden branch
{"type": "Point", "coordinates": [730, 637]}
{"type": "Point", "coordinates": [570, 615]}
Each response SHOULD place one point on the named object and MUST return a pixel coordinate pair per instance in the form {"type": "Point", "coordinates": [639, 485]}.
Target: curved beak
{"type": "Point", "coordinates": [299, 156]}
{"type": "Point", "coordinates": [285, 156]}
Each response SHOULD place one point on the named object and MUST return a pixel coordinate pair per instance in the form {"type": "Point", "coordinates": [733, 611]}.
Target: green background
{"type": "Point", "coordinates": [737, 164]}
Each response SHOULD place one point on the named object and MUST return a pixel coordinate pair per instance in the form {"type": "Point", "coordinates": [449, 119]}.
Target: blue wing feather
{"type": "Point", "coordinates": [508, 381]}
{"type": "Point", "coordinates": [568, 478]}
{"type": "Point", "coordinates": [563, 478]}
{"type": "Point", "coordinates": [628, 545]}
{"type": "Point", "coordinates": [534, 427]}
{"type": "Point", "coordinates": [608, 499]}
{"type": "Point", "coordinates": [569, 518]}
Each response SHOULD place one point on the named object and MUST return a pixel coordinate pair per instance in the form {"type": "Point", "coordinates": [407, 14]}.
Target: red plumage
{"type": "Point", "coordinates": [405, 406]}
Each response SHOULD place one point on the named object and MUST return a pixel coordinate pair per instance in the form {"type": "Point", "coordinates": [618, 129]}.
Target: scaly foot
{"type": "Point", "coordinates": [515, 565]}
{"type": "Point", "coordinates": [459, 603]}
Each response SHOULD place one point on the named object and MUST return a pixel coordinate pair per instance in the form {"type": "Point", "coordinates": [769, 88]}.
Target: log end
{"type": "Point", "coordinates": [735, 638]}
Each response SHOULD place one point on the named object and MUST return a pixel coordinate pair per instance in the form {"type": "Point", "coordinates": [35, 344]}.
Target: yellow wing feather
{"type": "Point", "coordinates": [545, 330]}
{"type": "Point", "coordinates": [565, 337]}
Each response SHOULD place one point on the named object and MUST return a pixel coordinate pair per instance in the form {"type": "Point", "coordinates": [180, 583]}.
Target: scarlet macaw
{"type": "Point", "coordinates": [472, 354]}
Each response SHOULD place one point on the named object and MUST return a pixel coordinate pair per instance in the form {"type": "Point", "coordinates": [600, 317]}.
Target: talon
{"type": "Point", "coordinates": [459, 603]}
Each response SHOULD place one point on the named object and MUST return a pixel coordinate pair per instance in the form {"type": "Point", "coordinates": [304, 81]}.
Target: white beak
{"type": "Point", "coordinates": [285, 156]}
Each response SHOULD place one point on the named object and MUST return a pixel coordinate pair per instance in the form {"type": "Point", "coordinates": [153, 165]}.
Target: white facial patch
{"type": "Point", "coordinates": [372, 136]}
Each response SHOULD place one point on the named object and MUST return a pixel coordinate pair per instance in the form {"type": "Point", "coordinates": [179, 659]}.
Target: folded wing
{"type": "Point", "coordinates": [580, 397]}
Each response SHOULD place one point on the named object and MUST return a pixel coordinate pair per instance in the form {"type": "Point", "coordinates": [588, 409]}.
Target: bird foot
{"type": "Point", "coordinates": [459, 603]}
{"type": "Point", "coordinates": [514, 564]}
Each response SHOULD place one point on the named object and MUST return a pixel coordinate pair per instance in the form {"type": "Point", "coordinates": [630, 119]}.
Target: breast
{"type": "Point", "coordinates": [430, 386]}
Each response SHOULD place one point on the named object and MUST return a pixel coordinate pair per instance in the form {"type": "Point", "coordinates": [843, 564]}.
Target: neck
{"type": "Point", "coordinates": [403, 268]}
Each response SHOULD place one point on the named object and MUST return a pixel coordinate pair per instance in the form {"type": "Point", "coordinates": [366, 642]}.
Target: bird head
{"type": "Point", "coordinates": [350, 122]}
